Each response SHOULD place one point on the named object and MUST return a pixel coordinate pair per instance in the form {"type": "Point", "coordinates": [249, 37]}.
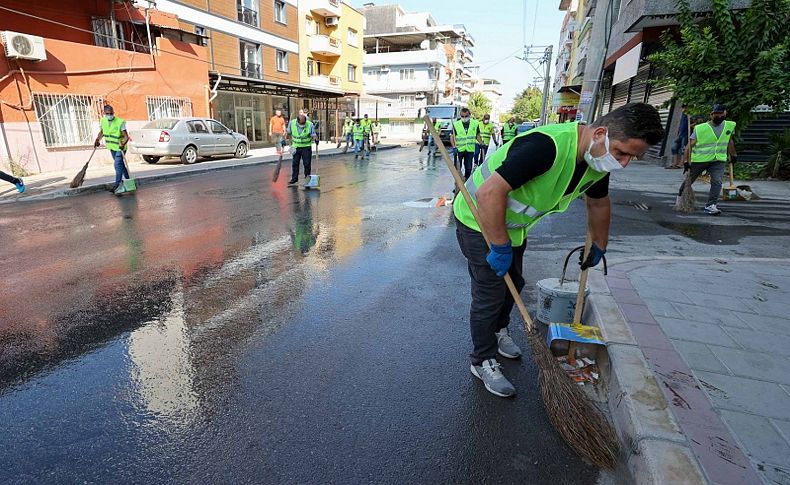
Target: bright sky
{"type": "Point", "coordinates": [497, 27]}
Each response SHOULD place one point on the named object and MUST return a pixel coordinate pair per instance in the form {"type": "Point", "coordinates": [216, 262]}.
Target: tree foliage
{"type": "Point", "coordinates": [526, 107]}
{"type": "Point", "coordinates": [479, 105]}
{"type": "Point", "coordinates": [738, 58]}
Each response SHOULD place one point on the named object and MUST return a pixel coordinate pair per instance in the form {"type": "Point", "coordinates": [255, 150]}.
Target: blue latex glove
{"type": "Point", "coordinates": [500, 257]}
{"type": "Point", "coordinates": [593, 258]}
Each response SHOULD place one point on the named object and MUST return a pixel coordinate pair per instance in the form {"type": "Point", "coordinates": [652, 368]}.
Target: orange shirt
{"type": "Point", "coordinates": [277, 124]}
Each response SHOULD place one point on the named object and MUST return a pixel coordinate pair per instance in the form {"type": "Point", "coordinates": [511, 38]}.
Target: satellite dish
{"type": "Point", "coordinates": [425, 44]}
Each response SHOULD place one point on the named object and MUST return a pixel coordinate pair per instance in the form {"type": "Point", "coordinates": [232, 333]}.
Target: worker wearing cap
{"type": "Point", "coordinates": [539, 172]}
{"type": "Point", "coordinates": [113, 130]}
{"type": "Point", "coordinates": [509, 130]}
{"type": "Point", "coordinates": [710, 147]}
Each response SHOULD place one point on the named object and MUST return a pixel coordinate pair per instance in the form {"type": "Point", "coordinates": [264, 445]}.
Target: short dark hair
{"type": "Point", "coordinates": [465, 110]}
{"type": "Point", "coordinates": [634, 120]}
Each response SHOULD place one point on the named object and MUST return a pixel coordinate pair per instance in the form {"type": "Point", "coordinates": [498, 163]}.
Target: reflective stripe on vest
{"type": "Point", "coordinates": [485, 132]}
{"type": "Point", "coordinates": [303, 139]}
{"type": "Point", "coordinates": [465, 139]}
{"type": "Point", "coordinates": [348, 126]}
{"type": "Point", "coordinates": [112, 132]}
{"type": "Point", "coordinates": [510, 131]}
{"type": "Point", "coordinates": [540, 196]}
{"type": "Point", "coordinates": [359, 132]}
{"type": "Point", "coordinates": [708, 148]}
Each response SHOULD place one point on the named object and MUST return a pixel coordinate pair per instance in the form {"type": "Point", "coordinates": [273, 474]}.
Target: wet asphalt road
{"type": "Point", "coordinates": [222, 328]}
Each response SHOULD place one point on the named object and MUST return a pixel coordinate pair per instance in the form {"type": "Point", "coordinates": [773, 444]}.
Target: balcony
{"type": "Point", "coordinates": [433, 56]}
{"type": "Point", "coordinates": [325, 8]}
{"type": "Point", "coordinates": [325, 45]}
{"type": "Point", "coordinates": [247, 16]}
{"type": "Point", "coordinates": [251, 70]}
{"type": "Point", "coordinates": [323, 81]}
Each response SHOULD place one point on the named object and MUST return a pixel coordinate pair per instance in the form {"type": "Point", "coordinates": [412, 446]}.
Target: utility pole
{"type": "Point", "coordinates": [540, 55]}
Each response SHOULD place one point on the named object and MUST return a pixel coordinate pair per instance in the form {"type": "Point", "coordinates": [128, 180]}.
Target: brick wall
{"type": "Point", "coordinates": [288, 31]}
{"type": "Point", "coordinates": [226, 52]}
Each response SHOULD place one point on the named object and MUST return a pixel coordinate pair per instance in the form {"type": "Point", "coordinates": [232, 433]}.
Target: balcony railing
{"type": "Point", "coordinates": [247, 15]}
{"type": "Point", "coordinates": [324, 8]}
{"type": "Point", "coordinates": [325, 45]}
{"type": "Point", "coordinates": [250, 69]}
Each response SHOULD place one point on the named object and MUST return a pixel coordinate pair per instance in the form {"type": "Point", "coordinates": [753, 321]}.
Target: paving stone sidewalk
{"type": "Point", "coordinates": [716, 335]}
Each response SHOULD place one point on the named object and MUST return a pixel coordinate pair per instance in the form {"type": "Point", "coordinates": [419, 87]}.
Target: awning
{"type": "Point", "coordinates": [241, 84]}
{"type": "Point", "coordinates": [575, 89]}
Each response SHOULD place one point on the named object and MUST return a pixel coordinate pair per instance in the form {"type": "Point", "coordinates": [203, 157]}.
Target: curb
{"type": "Point", "coordinates": [87, 189]}
{"type": "Point", "coordinates": [655, 449]}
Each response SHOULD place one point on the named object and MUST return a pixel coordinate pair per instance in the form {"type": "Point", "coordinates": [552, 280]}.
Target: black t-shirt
{"type": "Point", "coordinates": [533, 155]}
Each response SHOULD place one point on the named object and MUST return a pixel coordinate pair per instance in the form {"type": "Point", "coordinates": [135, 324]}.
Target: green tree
{"type": "Point", "coordinates": [479, 105]}
{"type": "Point", "coordinates": [527, 105]}
{"type": "Point", "coordinates": [737, 58]}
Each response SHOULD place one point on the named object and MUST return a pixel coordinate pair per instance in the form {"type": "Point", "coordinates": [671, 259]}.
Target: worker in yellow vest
{"type": "Point", "coordinates": [113, 130]}
{"type": "Point", "coordinates": [301, 134]}
{"type": "Point", "coordinates": [710, 147]}
{"type": "Point", "coordinates": [509, 130]}
{"type": "Point", "coordinates": [348, 130]}
{"type": "Point", "coordinates": [486, 131]}
{"type": "Point", "coordinates": [466, 133]}
{"type": "Point", "coordinates": [361, 149]}
{"type": "Point", "coordinates": [539, 172]}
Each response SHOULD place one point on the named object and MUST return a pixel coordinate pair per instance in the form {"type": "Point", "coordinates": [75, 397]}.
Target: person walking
{"type": "Point", "coordinates": [113, 130]}
{"type": "Point", "coordinates": [679, 145]}
{"type": "Point", "coordinates": [466, 132]}
{"type": "Point", "coordinates": [20, 185]}
{"type": "Point", "coordinates": [277, 131]}
{"type": "Point", "coordinates": [301, 134]}
{"type": "Point", "coordinates": [375, 132]}
{"type": "Point", "coordinates": [486, 130]}
{"type": "Point", "coordinates": [359, 141]}
{"type": "Point", "coordinates": [540, 172]}
{"type": "Point", "coordinates": [348, 133]}
{"type": "Point", "coordinates": [710, 147]}
{"type": "Point", "coordinates": [509, 130]}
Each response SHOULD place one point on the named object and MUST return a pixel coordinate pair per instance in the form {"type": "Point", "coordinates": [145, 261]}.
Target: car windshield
{"type": "Point", "coordinates": [441, 112]}
{"type": "Point", "coordinates": [161, 124]}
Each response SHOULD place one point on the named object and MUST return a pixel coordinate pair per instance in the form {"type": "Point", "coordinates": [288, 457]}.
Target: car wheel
{"type": "Point", "coordinates": [241, 150]}
{"type": "Point", "coordinates": [189, 156]}
{"type": "Point", "coordinates": [151, 158]}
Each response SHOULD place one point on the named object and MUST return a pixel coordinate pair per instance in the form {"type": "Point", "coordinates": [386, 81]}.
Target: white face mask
{"type": "Point", "coordinates": [110, 117]}
{"type": "Point", "coordinates": [604, 163]}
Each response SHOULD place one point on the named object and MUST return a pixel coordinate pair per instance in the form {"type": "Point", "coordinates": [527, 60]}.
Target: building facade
{"type": "Point", "coordinates": [410, 62]}
{"type": "Point", "coordinates": [84, 55]}
{"type": "Point", "coordinates": [569, 63]}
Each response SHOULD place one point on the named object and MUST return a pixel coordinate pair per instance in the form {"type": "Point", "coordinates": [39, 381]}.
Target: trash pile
{"type": "Point", "coordinates": [582, 370]}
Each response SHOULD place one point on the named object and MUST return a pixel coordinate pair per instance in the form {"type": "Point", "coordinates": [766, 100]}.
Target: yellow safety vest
{"type": "Point", "coordinates": [509, 132]}
{"type": "Point", "coordinates": [709, 148]}
{"type": "Point", "coordinates": [485, 132]}
{"type": "Point", "coordinates": [303, 139]}
{"type": "Point", "coordinates": [465, 139]}
{"type": "Point", "coordinates": [540, 196]}
{"type": "Point", "coordinates": [112, 132]}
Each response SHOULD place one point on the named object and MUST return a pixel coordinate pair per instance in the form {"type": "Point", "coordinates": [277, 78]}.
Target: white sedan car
{"type": "Point", "coordinates": [186, 138]}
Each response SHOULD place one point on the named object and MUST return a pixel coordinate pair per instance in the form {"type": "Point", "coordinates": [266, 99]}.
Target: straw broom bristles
{"type": "Point", "coordinates": [578, 421]}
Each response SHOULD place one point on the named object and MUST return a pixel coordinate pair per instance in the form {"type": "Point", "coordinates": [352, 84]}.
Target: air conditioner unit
{"type": "Point", "coordinates": [385, 68]}
{"type": "Point", "coordinates": [24, 46]}
{"type": "Point", "coordinates": [332, 21]}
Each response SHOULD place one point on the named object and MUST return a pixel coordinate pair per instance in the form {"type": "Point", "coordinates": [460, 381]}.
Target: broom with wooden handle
{"type": "Point", "coordinates": [580, 424]}
{"type": "Point", "coordinates": [80, 177]}
{"type": "Point", "coordinates": [577, 312]}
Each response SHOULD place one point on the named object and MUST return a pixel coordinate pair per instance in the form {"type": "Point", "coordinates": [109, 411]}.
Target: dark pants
{"type": "Point", "coordinates": [466, 159]}
{"type": "Point", "coordinates": [8, 178]}
{"type": "Point", "coordinates": [480, 153]}
{"type": "Point", "coordinates": [491, 300]}
{"type": "Point", "coordinates": [305, 155]}
{"type": "Point", "coordinates": [716, 172]}
{"type": "Point", "coordinates": [120, 167]}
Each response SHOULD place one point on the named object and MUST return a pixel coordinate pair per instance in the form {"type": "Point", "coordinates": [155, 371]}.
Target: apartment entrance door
{"type": "Point", "coordinates": [245, 122]}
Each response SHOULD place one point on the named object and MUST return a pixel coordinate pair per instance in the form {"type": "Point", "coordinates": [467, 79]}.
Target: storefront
{"type": "Point", "coordinates": [566, 103]}
{"type": "Point", "coordinates": [246, 106]}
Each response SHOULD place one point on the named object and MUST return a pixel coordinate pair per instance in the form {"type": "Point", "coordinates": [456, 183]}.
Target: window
{"type": "Point", "coordinates": [406, 74]}
{"type": "Point", "coordinates": [201, 31]}
{"type": "Point", "coordinates": [282, 61]}
{"type": "Point", "coordinates": [310, 25]}
{"type": "Point", "coordinates": [433, 73]}
{"type": "Point", "coordinates": [196, 127]}
{"type": "Point", "coordinates": [352, 72]}
{"type": "Point", "coordinates": [247, 11]}
{"type": "Point", "coordinates": [352, 38]}
{"type": "Point", "coordinates": [406, 101]}
{"type": "Point", "coordinates": [103, 35]}
{"type": "Point", "coordinates": [217, 127]}
{"type": "Point", "coordinates": [168, 107]}
{"type": "Point", "coordinates": [68, 120]}
{"type": "Point", "coordinates": [311, 67]}
{"type": "Point", "coordinates": [250, 60]}
{"type": "Point", "coordinates": [280, 14]}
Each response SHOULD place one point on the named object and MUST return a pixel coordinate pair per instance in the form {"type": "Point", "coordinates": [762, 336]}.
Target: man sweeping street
{"type": "Point", "coordinates": [710, 146]}
{"type": "Point", "coordinates": [301, 135]}
{"type": "Point", "coordinates": [113, 130]}
{"type": "Point", "coordinates": [539, 172]}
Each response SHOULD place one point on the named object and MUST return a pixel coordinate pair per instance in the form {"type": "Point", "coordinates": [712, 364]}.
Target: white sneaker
{"type": "Point", "coordinates": [506, 346]}
{"type": "Point", "coordinates": [496, 383]}
{"type": "Point", "coordinates": [712, 210]}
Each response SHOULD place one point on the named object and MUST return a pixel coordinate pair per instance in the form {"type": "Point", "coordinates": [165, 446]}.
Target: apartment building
{"type": "Point", "coordinates": [63, 60]}
{"type": "Point", "coordinates": [275, 54]}
{"type": "Point", "coordinates": [411, 61]}
{"type": "Point", "coordinates": [567, 85]}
